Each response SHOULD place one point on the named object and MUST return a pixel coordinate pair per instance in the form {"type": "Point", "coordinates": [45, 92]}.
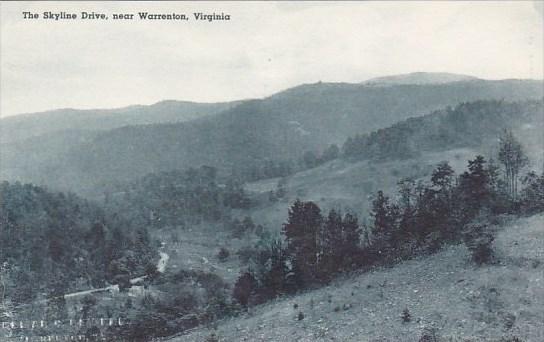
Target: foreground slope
{"type": "Point", "coordinates": [444, 292]}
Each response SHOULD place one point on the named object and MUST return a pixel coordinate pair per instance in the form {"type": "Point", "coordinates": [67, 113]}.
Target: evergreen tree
{"type": "Point", "coordinates": [407, 208]}
{"type": "Point", "coordinates": [475, 186]}
{"type": "Point", "coordinates": [533, 194]}
{"type": "Point", "coordinates": [302, 235]}
{"type": "Point", "coordinates": [351, 240]}
{"type": "Point", "coordinates": [244, 288]}
{"type": "Point", "coordinates": [385, 216]}
{"type": "Point", "coordinates": [274, 281]}
{"type": "Point", "coordinates": [331, 245]}
{"type": "Point", "coordinates": [443, 176]}
{"type": "Point", "coordinates": [441, 201]}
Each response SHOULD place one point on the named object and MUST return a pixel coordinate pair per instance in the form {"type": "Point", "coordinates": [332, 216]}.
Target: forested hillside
{"type": "Point", "coordinates": [179, 225]}
{"type": "Point", "coordinates": [283, 126]}
{"type": "Point", "coordinates": [21, 127]}
{"type": "Point", "coordinates": [465, 125]}
{"type": "Point", "coordinates": [177, 198]}
{"type": "Point", "coordinates": [52, 243]}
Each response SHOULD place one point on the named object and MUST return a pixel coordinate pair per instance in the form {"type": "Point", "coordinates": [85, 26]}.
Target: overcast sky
{"type": "Point", "coordinates": [264, 48]}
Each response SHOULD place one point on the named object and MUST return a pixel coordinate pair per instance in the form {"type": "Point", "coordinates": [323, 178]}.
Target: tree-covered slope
{"type": "Point", "coordinates": [53, 243]}
{"type": "Point", "coordinates": [20, 127]}
{"type": "Point", "coordinates": [283, 126]}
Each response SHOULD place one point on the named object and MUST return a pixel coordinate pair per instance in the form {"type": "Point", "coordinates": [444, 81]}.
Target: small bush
{"type": "Point", "coordinates": [429, 335]}
{"type": "Point", "coordinates": [245, 254]}
{"type": "Point", "coordinates": [243, 289]}
{"type": "Point", "coordinates": [509, 320]}
{"type": "Point", "coordinates": [406, 317]}
{"type": "Point", "coordinates": [511, 339]}
{"type": "Point", "coordinates": [223, 254]}
{"type": "Point", "coordinates": [479, 241]}
{"type": "Point", "coordinates": [212, 338]}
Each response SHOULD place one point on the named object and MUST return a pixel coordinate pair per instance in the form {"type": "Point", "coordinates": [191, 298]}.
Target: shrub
{"type": "Point", "coordinates": [479, 240]}
{"type": "Point", "coordinates": [212, 338]}
{"type": "Point", "coordinates": [245, 254]}
{"type": "Point", "coordinates": [223, 254]}
{"type": "Point", "coordinates": [406, 317]}
{"type": "Point", "coordinates": [429, 335]}
{"type": "Point", "coordinates": [511, 339]}
{"type": "Point", "coordinates": [243, 289]}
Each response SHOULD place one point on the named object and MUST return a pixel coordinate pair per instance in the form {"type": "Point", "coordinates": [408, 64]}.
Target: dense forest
{"type": "Point", "coordinates": [465, 125]}
{"type": "Point", "coordinates": [53, 243]}
{"type": "Point", "coordinates": [177, 198]}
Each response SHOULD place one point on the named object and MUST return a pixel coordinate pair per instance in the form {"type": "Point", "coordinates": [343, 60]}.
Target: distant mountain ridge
{"type": "Point", "coordinates": [283, 126]}
{"type": "Point", "coordinates": [23, 126]}
{"type": "Point", "coordinates": [420, 78]}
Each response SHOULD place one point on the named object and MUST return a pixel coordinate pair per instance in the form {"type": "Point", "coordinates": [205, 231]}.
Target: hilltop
{"type": "Point", "coordinates": [420, 78]}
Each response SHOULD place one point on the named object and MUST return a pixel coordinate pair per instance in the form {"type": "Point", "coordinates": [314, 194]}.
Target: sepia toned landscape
{"type": "Point", "coordinates": [400, 207]}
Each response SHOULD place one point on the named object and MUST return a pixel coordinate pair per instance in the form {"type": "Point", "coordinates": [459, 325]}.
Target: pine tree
{"type": "Point", "coordinates": [274, 280]}
{"type": "Point", "coordinates": [475, 187]}
{"type": "Point", "coordinates": [244, 287]}
{"type": "Point", "coordinates": [302, 235]}
{"type": "Point", "coordinates": [331, 245]}
{"type": "Point", "coordinates": [407, 209]}
{"type": "Point", "coordinates": [443, 176]}
{"type": "Point", "coordinates": [385, 217]}
{"type": "Point", "coordinates": [351, 240]}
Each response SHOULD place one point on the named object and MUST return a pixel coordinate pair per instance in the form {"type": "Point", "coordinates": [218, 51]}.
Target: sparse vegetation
{"type": "Point", "coordinates": [479, 239]}
{"type": "Point", "coordinates": [223, 254]}
{"type": "Point", "coordinates": [406, 316]}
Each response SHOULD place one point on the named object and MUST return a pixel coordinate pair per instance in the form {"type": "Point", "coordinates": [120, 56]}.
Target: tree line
{"type": "Point", "coordinates": [422, 218]}
{"type": "Point", "coordinates": [465, 125]}
{"type": "Point", "coordinates": [178, 198]}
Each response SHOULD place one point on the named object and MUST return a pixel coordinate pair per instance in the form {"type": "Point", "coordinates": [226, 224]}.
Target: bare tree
{"type": "Point", "coordinates": [513, 158]}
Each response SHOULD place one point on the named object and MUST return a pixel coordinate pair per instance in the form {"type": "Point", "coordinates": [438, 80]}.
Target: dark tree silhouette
{"type": "Point", "coordinates": [245, 287]}
{"type": "Point", "coordinates": [302, 236]}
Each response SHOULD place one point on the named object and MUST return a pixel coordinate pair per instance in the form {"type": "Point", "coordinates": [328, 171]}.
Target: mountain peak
{"type": "Point", "coordinates": [419, 78]}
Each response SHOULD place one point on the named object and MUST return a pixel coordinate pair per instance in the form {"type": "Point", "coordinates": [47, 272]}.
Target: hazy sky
{"type": "Point", "coordinates": [264, 48]}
